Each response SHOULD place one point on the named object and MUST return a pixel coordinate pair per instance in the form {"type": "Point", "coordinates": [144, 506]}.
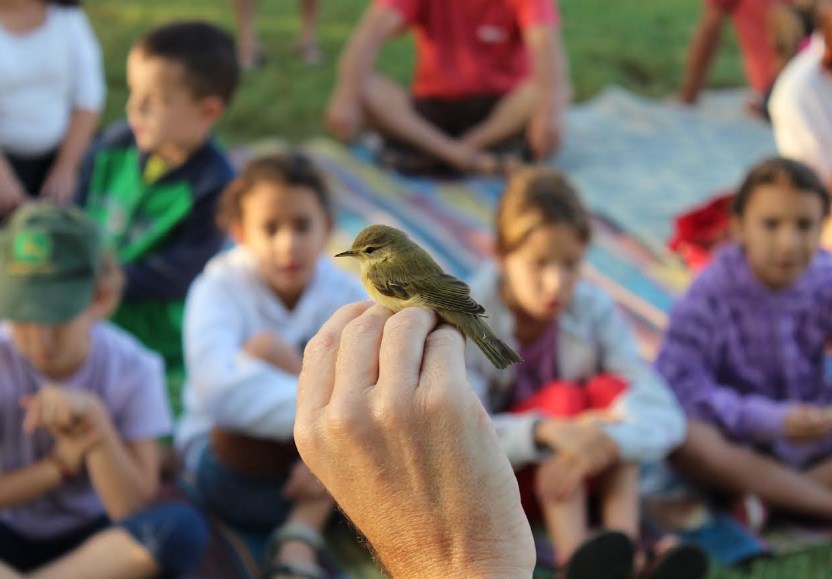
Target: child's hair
{"type": "Point", "coordinates": [780, 171]}
{"type": "Point", "coordinates": [286, 168]}
{"type": "Point", "coordinates": [206, 52]}
{"type": "Point", "coordinates": [533, 198]}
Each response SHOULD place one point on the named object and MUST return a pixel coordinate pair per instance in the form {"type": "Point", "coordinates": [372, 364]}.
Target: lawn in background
{"type": "Point", "coordinates": [639, 44]}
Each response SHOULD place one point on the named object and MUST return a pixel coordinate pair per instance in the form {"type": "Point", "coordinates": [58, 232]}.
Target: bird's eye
{"type": "Point", "coordinates": [370, 250]}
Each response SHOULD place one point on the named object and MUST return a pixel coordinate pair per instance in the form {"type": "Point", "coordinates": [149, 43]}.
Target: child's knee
{"type": "Point", "coordinates": [175, 534]}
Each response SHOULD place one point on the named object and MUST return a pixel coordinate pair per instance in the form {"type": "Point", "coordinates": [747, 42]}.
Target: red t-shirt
{"type": "Point", "coordinates": [753, 36]}
{"type": "Point", "coordinates": [471, 47]}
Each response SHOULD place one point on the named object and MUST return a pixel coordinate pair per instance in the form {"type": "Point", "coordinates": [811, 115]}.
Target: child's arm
{"type": "Point", "coordinates": [125, 475]}
{"type": "Point", "coordinates": [686, 362]}
{"type": "Point", "coordinates": [89, 91]}
{"type": "Point", "coordinates": [241, 392]}
{"type": "Point", "coordinates": [62, 182]}
{"type": "Point", "coordinates": [651, 423]}
{"type": "Point", "coordinates": [12, 192]}
{"type": "Point", "coordinates": [703, 49]}
{"type": "Point", "coordinates": [29, 483]}
{"type": "Point", "coordinates": [542, 36]}
{"type": "Point", "coordinates": [344, 113]}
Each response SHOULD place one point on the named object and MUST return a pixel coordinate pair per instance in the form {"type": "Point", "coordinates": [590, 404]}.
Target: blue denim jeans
{"type": "Point", "coordinates": [252, 503]}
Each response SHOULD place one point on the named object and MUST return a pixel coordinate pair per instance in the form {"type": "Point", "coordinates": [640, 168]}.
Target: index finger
{"type": "Point", "coordinates": [317, 375]}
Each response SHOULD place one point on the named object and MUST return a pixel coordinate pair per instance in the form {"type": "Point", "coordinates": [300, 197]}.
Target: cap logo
{"type": "Point", "coordinates": [31, 251]}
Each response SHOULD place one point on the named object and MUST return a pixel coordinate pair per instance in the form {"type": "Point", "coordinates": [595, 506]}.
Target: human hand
{"type": "Point", "coordinates": [807, 422]}
{"type": "Point", "coordinates": [58, 409]}
{"type": "Point", "coordinates": [388, 423]}
{"type": "Point", "coordinates": [344, 116]}
{"type": "Point", "coordinates": [72, 447]}
{"type": "Point", "coordinates": [12, 193]}
{"type": "Point", "coordinates": [60, 185]}
{"type": "Point", "coordinates": [302, 485]}
{"type": "Point", "coordinates": [559, 476]}
{"type": "Point", "coordinates": [274, 350]}
{"type": "Point", "coordinates": [545, 132]}
{"type": "Point", "coordinates": [585, 441]}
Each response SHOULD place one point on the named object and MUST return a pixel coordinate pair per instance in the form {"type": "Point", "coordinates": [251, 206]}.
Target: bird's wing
{"type": "Point", "coordinates": [438, 291]}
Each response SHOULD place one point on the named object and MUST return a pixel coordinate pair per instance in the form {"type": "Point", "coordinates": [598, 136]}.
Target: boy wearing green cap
{"type": "Point", "coordinates": [81, 406]}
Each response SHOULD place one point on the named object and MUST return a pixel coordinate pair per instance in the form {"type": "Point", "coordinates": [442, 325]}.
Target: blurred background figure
{"type": "Point", "coordinates": [251, 51]}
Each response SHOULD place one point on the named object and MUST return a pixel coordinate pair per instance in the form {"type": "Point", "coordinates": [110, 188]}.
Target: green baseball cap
{"type": "Point", "coordinates": [49, 258]}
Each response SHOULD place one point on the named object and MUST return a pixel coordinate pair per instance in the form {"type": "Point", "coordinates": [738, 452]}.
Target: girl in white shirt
{"type": "Point", "coordinates": [51, 93]}
{"type": "Point", "coordinates": [247, 320]}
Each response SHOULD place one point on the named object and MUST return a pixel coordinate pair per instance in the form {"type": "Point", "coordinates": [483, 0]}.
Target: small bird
{"type": "Point", "coordinates": [399, 274]}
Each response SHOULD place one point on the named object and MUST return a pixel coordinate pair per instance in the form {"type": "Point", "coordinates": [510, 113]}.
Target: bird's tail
{"type": "Point", "coordinates": [497, 351]}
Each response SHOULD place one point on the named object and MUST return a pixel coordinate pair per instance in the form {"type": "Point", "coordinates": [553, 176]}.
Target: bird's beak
{"type": "Point", "coordinates": [348, 253]}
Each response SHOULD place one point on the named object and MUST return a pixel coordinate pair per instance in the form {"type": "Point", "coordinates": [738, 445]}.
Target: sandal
{"type": "Point", "coordinates": [293, 532]}
{"type": "Point", "coordinates": [682, 561]}
{"type": "Point", "coordinates": [607, 555]}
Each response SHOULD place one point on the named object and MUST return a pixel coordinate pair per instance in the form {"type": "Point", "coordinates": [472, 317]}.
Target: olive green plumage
{"type": "Point", "coordinates": [397, 273]}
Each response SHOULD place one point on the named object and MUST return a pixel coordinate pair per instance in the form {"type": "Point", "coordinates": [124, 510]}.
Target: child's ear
{"type": "Point", "coordinates": [212, 108]}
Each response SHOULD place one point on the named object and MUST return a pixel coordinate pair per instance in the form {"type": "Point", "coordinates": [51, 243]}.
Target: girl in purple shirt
{"type": "Point", "coordinates": [745, 351]}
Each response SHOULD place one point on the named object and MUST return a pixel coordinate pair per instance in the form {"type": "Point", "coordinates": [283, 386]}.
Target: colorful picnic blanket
{"type": "Point", "coordinates": [637, 162]}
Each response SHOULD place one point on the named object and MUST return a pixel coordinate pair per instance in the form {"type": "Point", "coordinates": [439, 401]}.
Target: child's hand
{"type": "Point", "coordinates": [807, 422]}
{"type": "Point", "coordinates": [585, 441]}
{"type": "Point", "coordinates": [72, 448]}
{"type": "Point", "coordinates": [60, 410]}
{"type": "Point", "coordinates": [273, 350]}
{"type": "Point", "coordinates": [60, 185]}
{"type": "Point", "coordinates": [559, 477]}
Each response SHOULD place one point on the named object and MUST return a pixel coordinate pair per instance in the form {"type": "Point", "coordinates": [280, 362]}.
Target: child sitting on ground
{"type": "Point", "coordinates": [745, 350]}
{"type": "Point", "coordinates": [53, 91]}
{"type": "Point", "coordinates": [247, 320]}
{"type": "Point", "coordinates": [153, 186]}
{"type": "Point", "coordinates": [582, 410]}
{"type": "Point", "coordinates": [82, 405]}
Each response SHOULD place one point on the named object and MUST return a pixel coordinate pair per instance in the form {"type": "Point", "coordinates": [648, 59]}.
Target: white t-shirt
{"type": "Point", "coordinates": [45, 74]}
{"type": "Point", "coordinates": [801, 110]}
{"type": "Point", "coordinates": [226, 306]}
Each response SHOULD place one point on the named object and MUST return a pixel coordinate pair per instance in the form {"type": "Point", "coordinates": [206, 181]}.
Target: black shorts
{"type": "Point", "coordinates": [454, 118]}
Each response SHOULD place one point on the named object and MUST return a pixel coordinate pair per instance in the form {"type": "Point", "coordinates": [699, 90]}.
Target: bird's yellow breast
{"type": "Point", "coordinates": [392, 304]}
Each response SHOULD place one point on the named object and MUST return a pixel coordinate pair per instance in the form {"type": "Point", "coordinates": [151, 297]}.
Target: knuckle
{"type": "Point", "coordinates": [408, 320]}
{"type": "Point", "coordinates": [323, 342]}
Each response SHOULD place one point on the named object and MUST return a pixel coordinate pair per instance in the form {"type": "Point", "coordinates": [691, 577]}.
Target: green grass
{"type": "Point", "coordinates": [639, 44]}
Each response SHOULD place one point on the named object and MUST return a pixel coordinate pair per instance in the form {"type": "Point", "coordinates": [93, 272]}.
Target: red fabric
{"type": "Point", "coordinates": [699, 231]}
{"type": "Point", "coordinates": [752, 27]}
{"type": "Point", "coordinates": [471, 47]}
{"type": "Point", "coordinates": [563, 400]}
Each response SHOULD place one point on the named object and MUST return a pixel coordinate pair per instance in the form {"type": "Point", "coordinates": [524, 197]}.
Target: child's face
{"type": "Point", "coordinates": [780, 231]}
{"type": "Point", "coordinates": [540, 275]}
{"type": "Point", "coordinates": [162, 110]}
{"type": "Point", "coordinates": [286, 228]}
{"type": "Point", "coordinates": [56, 351]}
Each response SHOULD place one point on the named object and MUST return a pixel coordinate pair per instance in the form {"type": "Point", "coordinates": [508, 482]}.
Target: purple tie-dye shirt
{"type": "Point", "coordinates": [739, 354]}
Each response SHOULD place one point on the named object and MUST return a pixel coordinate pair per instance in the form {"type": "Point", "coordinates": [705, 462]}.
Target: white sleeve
{"type": "Point", "coordinates": [800, 134]}
{"type": "Point", "coordinates": [515, 432]}
{"type": "Point", "coordinates": [653, 423]}
{"type": "Point", "coordinates": [89, 85]}
{"type": "Point", "coordinates": [238, 391]}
